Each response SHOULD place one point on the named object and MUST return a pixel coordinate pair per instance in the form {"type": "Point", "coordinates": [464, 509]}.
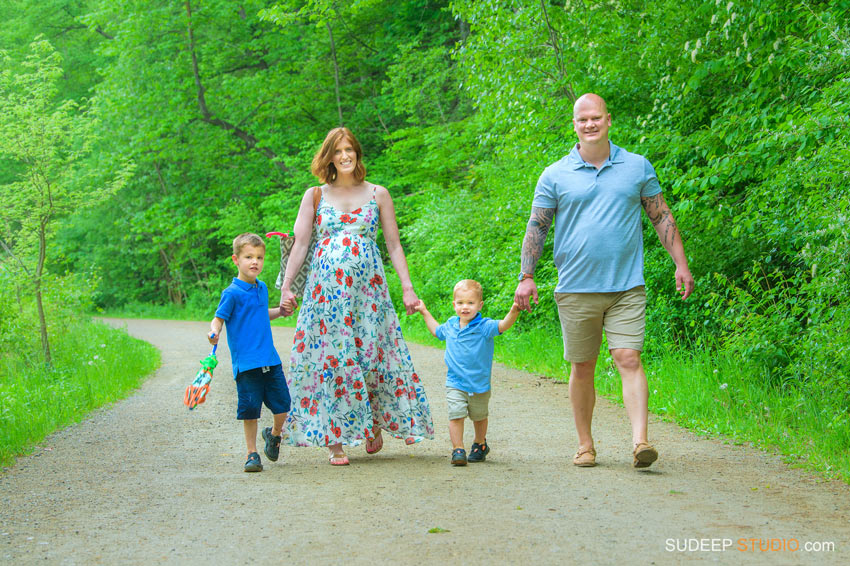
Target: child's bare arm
{"type": "Point", "coordinates": [430, 321]}
{"type": "Point", "coordinates": [509, 319]}
{"type": "Point", "coordinates": [274, 313]}
{"type": "Point", "coordinates": [215, 330]}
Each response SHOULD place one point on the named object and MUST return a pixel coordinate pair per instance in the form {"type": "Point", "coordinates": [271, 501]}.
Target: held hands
{"type": "Point", "coordinates": [410, 300]}
{"type": "Point", "coordinates": [525, 291]}
{"type": "Point", "coordinates": [420, 308]}
{"type": "Point", "coordinates": [288, 302]}
{"type": "Point", "coordinates": [684, 282]}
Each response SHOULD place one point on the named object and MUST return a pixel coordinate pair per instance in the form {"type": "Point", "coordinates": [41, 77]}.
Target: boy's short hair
{"type": "Point", "coordinates": [469, 285]}
{"type": "Point", "coordinates": [247, 239]}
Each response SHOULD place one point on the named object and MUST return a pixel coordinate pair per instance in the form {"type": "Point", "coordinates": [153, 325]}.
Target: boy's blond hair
{"type": "Point", "coordinates": [247, 239]}
{"type": "Point", "coordinates": [469, 285]}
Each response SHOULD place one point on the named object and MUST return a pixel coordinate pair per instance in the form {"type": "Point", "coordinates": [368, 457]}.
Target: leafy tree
{"type": "Point", "coordinates": [47, 141]}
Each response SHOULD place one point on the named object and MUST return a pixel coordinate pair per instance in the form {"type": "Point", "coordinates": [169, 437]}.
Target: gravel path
{"type": "Point", "coordinates": [145, 481]}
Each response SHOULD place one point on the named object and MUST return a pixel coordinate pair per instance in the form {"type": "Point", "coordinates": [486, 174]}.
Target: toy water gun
{"type": "Point", "coordinates": [196, 392]}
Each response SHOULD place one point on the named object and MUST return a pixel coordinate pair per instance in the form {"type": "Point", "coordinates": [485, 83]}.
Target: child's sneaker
{"type": "Point", "coordinates": [272, 448]}
{"type": "Point", "coordinates": [253, 464]}
{"type": "Point", "coordinates": [458, 457]}
{"type": "Point", "coordinates": [479, 452]}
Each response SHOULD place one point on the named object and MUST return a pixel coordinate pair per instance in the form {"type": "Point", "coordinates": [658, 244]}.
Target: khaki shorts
{"type": "Point", "coordinates": [585, 315]}
{"type": "Point", "coordinates": [462, 404]}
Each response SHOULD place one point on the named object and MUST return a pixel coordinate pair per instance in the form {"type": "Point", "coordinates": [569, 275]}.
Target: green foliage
{"type": "Point", "coordinates": [721, 394]}
{"type": "Point", "coordinates": [45, 143]}
{"type": "Point", "coordinates": [93, 365]}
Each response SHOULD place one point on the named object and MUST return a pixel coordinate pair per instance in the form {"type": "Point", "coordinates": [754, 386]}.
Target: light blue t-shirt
{"type": "Point", "coordinates": [469, 352]}
{"type": "Point", "coordinates": [245, 310]}
{"type": "Point", "coordinates": [598, 236]}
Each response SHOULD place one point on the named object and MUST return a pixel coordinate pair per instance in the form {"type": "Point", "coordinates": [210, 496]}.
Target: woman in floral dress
{"type": "Point", "coordinates": [350, 375]}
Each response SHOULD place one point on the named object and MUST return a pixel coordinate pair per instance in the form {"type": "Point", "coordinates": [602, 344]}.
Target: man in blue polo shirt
{"type": "Point", "coordinates": [594, 196]}
{"type": "Point", "coordinates": [469, 358]}
{"type": "Point", "coordinates": [257, 369]}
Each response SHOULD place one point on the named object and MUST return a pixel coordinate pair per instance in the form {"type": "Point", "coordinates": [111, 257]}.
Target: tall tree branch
{"type": "Point", "coordinates": [13, 256]}
{"type": "Point", "coordinates": [553, 38]}
{"type": "Point", "coordinates": [336, 73]}
{"type": "Point", "coordinates": [354, 36]}
{"type": "Point", "coordinates": [99, 30]}
{"type": "Point", "coordinates": [209, 118]}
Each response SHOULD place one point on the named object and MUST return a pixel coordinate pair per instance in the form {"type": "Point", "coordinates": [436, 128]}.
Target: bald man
{"type": "Point", "coordinates": [594, 196]}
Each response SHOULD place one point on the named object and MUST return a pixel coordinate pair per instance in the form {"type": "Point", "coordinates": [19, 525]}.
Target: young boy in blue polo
{"type": "Point", "coordinates": [469, 359]}
{"type": "Point", "coordinates": [244, 307]}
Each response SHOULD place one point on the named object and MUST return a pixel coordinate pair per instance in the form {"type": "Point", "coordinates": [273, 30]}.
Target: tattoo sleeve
{"type": "Point", "coordinates": [535, 236]}
{"type": "Point", "coordinates": [662, 219]}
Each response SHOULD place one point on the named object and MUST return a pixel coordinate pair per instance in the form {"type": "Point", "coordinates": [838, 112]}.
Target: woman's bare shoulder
{"type": "Point", "coordinates": [381, 192]}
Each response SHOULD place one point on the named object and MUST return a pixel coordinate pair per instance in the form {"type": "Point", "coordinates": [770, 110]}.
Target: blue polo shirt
{"type": "Point", "coordinates": [469, 352]}
{"type": "Point", "coordinates": [244, 307]}
{"type": "Point", "coordinates": [598, 236]}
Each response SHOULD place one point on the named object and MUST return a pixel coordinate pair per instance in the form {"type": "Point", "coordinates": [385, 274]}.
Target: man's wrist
{"type": "Point", "coordinates": [523, 276]}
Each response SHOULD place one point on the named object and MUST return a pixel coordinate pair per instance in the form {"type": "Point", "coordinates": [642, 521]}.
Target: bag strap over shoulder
{"type": "Point", "coordinates": [317, 197]}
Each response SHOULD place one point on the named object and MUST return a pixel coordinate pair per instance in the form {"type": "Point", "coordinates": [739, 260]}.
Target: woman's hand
{"type": "Point", "coordinates": [288, 302]}
{"type": "Point", "coordinates": [410, 300]}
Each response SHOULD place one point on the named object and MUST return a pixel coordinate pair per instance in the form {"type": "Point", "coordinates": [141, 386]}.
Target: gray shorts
{"type": "Point", "coordinates": [462, 404]}
{"type": "Point", "coordinates": [585, 315]}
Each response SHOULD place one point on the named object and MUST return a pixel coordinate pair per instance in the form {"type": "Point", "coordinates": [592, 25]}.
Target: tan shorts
{"type": "Point", "coordinates": [585, 315]}
{"type": "Point", "coordinates": [462, 404]}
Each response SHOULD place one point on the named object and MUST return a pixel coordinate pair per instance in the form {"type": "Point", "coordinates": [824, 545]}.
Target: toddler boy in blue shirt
{"type": "Point", "coordinates": [469, 359]}
{"type": "Point", "coordinates": [244, 306]}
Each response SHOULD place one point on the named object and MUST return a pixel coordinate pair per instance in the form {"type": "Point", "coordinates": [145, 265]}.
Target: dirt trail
{"type": "Point", "coordinates": [145, 481]}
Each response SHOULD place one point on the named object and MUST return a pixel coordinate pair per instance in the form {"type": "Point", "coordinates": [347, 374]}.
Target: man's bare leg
{"type": "Point", "coordinates": [583, 399]}
{"type": "Point", "coordinates": [635, 391]}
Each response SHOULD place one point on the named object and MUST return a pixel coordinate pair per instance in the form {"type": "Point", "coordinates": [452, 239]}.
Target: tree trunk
{"type": "Point", "coordinates": [173, 284]}
{"type": "Point", "coordinates": [42, 321]}
{"type": "Point", "coordinates": [336, 74]}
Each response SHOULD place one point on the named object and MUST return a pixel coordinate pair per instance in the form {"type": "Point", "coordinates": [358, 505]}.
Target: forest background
{"type": "Point", "coordinates": [137, 138]}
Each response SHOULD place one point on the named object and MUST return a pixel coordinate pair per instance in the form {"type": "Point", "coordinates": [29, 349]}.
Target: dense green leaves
{"type": "Point", "coordinates": [741, 106]}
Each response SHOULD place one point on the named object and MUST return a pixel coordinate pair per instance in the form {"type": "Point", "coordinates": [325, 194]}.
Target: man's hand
{"type": "Point", "coordinates": [525, 291]}
{"type": "Point", "coordinates": [684, 282]}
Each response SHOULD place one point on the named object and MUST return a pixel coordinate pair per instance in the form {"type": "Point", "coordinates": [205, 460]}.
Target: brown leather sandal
{"type": "Point", "coordinates": [645, 455]}
{"type": "Point", "coordinates": [585, 458]}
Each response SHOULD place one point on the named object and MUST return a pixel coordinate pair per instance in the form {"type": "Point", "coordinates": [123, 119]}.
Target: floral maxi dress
{"type": "Point", "coordinates": [350, 367]}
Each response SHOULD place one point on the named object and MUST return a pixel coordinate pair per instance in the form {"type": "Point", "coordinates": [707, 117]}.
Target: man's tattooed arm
{"type": "Point", "coordinates": [662, 220]}
{"type": "Point", "coordinates": [535, 236]}
{"type": "Point", "coordinates": [665, 226]}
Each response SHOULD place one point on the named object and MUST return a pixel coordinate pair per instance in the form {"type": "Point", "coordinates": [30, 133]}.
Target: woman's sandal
{"type": "Point", "coordinates": [338, 460]}
{"type": "Point", "coordinates": [585, 458]}
{"type": "Point", "coordinates": [373, 446]}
